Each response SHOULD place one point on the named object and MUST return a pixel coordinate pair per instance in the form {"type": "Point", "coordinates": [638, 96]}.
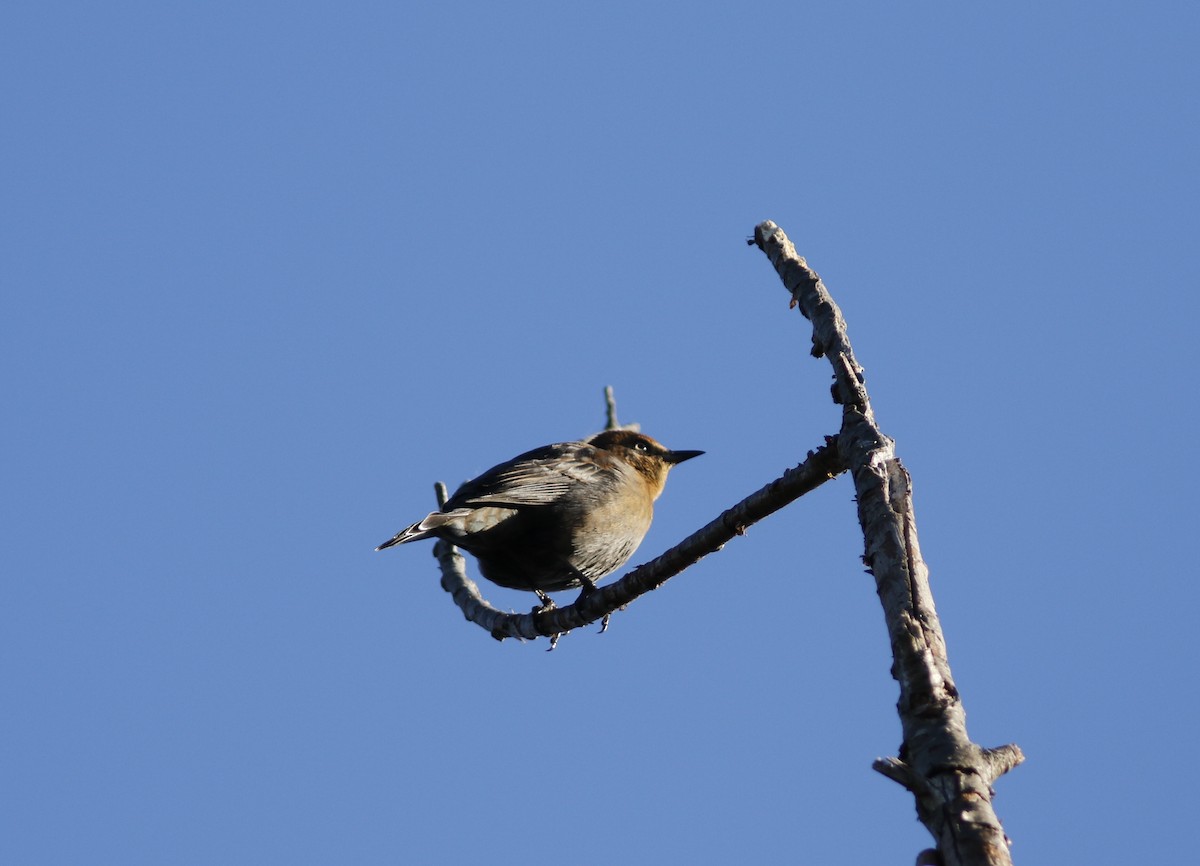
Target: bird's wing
{"type": "Point", "coordinates": [538, 477]}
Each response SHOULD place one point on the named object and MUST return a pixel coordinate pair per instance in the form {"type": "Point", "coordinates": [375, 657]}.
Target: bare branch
{"type": "Point", "coordinates": [819, 467]}
{"type": "Point", "coordinates": [949, 775]}
{"type": "Point", "coordinates": [610, 413]}
{"type": "Point", "coordinates": [610, 404]}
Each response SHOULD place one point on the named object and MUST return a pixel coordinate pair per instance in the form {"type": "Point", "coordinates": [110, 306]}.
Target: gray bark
{"type": "Point", "coordinates": [950, 776]}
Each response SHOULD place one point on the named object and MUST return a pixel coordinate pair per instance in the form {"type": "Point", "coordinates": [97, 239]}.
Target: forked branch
{"type": "Point", "coordinates": [950, 776]}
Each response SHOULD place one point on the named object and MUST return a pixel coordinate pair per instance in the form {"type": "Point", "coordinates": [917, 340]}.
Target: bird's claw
{"type": "Point", "coordinates": [587, 587]}
{"type": "Point", "coordinates": [545, 602]}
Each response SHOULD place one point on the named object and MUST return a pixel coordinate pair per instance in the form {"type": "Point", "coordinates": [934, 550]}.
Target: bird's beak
{"type": "Point", "coordinates": [674, 457]}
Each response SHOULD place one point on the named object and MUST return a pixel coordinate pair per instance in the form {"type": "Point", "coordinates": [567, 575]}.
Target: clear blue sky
{"type": "Point", "coordinates": [270, 270]}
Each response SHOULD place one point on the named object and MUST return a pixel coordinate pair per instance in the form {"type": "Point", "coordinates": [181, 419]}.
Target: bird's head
{"type": "Point", "coordinates": [649, 457]}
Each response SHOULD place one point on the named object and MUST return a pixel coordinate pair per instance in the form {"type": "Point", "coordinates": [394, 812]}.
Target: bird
{"type": "Point", "coordinates": [558, 517]}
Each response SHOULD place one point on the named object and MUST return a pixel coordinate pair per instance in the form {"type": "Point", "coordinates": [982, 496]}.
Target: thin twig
{"type": "Point", "coordinates": [610, 409]}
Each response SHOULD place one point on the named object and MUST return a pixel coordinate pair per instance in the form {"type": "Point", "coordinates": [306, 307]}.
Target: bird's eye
{"type": "Point", "coordinates": [641, 446]}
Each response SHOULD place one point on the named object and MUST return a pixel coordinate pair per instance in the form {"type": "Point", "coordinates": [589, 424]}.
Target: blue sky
{"type": "Point", "coordinates": [271, 270]}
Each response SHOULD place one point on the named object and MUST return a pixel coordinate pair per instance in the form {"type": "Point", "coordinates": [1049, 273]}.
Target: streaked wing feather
{"type": "Point", "coordinates": [537, 477]}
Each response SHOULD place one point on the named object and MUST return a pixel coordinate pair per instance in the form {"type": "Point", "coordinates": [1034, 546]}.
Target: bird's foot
{"type": "Point", "coordinates": [545, 602]}
{"type": "Point", "coordinates": [588, 586]}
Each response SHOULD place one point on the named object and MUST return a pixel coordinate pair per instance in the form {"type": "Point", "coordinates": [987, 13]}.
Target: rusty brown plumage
{"type": "Point", "coordinates": [558, 517]}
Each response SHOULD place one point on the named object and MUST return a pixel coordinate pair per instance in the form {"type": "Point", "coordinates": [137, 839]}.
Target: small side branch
{"type": "Point", "coordinates": [610, 413]}
{"type": "Point", "coordinates": [610, 409]}
{"type": "Point", "coordinates": [949, 775]}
